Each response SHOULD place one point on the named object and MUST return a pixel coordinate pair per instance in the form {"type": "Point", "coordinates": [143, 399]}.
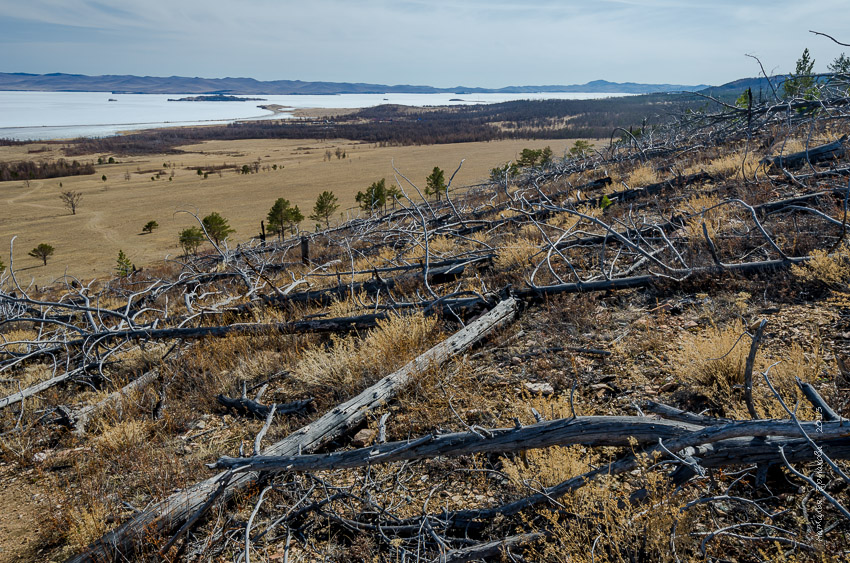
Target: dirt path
{"type": "Point", "coordinates": [21, 514]}
{"type": "Point", "coordinates": [95, 225]}
{"type": "Point", "coordinates": [36, 185]}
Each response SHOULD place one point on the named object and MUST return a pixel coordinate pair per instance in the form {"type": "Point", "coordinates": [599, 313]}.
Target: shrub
{"type": "Point", "coordinates": [827, 269]}
{"type": "Point", "coordinates": [43, 251]}
{"type": "Point", "coordinates": [190, 239]}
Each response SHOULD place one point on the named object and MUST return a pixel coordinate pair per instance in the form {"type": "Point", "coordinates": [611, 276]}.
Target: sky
{"type": "Point", "coordinates": [443, 43]}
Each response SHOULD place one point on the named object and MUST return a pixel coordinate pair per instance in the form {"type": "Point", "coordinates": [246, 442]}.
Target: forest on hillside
{"type": "Point", "coordinates": [400, 125]}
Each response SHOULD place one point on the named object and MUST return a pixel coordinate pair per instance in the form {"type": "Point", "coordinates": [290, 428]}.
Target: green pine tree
{"type": "Point", "coordinates": [123, 266]}
{"type": "Point", "coordinates": [217, 227]}
{"type": "Point", "coordinates": [326, 205]}
{"type": "Point", "coordinates": [375, 196]}
{"type": "Point", "coordinates": [190, 239]}
{"type": "Point", "coordinates": [435, 184]}
{"type": "Point", "coordinates": [801, 83]}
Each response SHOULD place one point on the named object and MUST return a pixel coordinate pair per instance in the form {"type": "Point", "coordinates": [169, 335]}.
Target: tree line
{"type": "Point", "coordinates": [29, 170]}
{"type": "Point", "coordinates": [399, 125]}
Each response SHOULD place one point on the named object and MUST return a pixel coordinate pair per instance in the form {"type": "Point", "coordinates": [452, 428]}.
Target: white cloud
{"type": "Point", "coordinates": [440, 42]}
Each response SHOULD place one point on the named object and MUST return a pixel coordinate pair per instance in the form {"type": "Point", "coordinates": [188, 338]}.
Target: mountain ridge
{"type": "Point", "coordinates": [131, 84]}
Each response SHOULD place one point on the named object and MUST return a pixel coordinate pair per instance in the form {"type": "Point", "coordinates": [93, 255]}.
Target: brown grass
{"type": "Point", "coordinates": [112, 213]}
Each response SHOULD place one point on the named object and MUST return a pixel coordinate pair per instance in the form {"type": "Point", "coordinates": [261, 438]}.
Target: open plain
{"type": "Point", "coordinates": [162, 187]}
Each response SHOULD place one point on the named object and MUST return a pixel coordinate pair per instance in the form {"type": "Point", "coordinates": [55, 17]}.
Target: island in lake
{"type": "Point", "coordinates": [216, 98]}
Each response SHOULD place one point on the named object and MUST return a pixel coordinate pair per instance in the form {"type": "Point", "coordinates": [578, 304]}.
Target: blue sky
{"type": "Point", "coordinates": [488, 43]}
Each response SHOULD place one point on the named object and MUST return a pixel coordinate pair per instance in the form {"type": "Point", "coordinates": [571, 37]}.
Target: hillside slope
{"type": "Point", "coordinates": [622, 356]}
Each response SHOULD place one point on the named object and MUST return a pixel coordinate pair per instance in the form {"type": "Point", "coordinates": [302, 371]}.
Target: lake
{"type": "Point", "coordinates": [42, 116]}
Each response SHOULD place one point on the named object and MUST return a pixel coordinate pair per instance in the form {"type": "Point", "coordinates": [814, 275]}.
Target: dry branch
{"type": "Point", "coordinates": [78, 418]}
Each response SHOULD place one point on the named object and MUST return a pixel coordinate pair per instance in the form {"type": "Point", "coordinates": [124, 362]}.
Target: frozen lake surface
{"type": "Point", "coordinates": [65, 115]}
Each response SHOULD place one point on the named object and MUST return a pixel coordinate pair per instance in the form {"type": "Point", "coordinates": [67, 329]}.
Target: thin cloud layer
{"type": "Point", "coordinates": [445, 43]}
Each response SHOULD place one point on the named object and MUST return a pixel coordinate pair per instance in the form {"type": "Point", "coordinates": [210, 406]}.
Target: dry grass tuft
{"type": "Point", "coordinates": [349, 363]}
{"type": "Point", "coordinates": [794, 363]}
{"type": "Point", "coordinates": [86, 524]}
{"type": "Point", "coordinates": [730, 166]}
{"type": "Point", "coordinates": [824, 268]}
{"type": "Point", "coordinates": [717, 357]}
{"type": "Point", "coordinates": [122, 437]}
{"type": "Point", "coordinates": [642, 176]}
{"type": "Point", "coordinates": [598, 522]}
{"type": "Point", "coordinates": [516, 255]}
{"type": "Point", "coordinates": [706, 208]}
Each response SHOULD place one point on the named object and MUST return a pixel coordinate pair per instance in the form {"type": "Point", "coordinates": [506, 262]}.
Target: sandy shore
{"type": "Point", "coordinates": [322, 113]}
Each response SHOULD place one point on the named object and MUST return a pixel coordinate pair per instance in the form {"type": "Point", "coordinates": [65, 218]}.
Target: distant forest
{"type": "Point", "coordinates": [401, 125]}
{"type": "Point", "coordinates": [30, 170]}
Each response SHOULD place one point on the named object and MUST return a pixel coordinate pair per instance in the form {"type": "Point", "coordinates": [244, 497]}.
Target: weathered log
{"type": "Point", "coordinates": [734, 443]}
{"type": "Point", "coordinates": [586, 430]}
{"type": "Point", "coordinates": [537, 293]}
{"type": "Point", "coordinates": [169, 514]}
{"type": "Point", "coordinates": [488, 550]}
{"type": "Point", "coordinates": [589, 431]}
{"type": "Point", "coordinates": [672, 413]}
{"type": "Point", "coordinates": [19, 396]}
{"type": "Point", "coordinates": [652, 189]}
{"type": "Point", "coordinates": [441, 272]}
{"type": "Point", "coordinates": [245, 406]}
{"type": "Point", "coordinates": [814, 155]}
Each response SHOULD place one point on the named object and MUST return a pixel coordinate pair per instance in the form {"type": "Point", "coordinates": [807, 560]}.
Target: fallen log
{"type": "Point", "coordinates": [488, 550]}
{"type": "Point", "coordinates": [19, 396]}
{"type": "Point", "coordinates": [438, 273]}
{"type": "Point", "coordinates": [245, 406]}
{"type": "Point", "coordinates": [814, 155]}
{"type": "Point", "coordinates": [585, 430]}
{"type": "Point", "coordinates": [538, 293]}
{"type": "Point", "coordinates": [168, 515]}
{"type": "Point", "coordinates": [734, 443]}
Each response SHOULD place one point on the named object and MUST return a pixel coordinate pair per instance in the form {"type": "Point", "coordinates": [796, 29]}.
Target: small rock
{"type": "Point", "coordinates": [544, 389]}
{"type": "Point", "coordinates": [201, 424]}
{"type": "Point", "coordinates": [363, 438]}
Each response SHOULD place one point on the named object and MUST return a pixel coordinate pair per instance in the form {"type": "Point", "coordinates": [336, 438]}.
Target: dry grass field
{"type": "Point", "coordinates": [112, 213]}
{"type": "Point", "coordinates": [637, 349]}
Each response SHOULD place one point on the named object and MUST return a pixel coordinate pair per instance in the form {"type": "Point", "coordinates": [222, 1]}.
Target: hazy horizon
{"type": "Point", "coordinates": [443, 43]}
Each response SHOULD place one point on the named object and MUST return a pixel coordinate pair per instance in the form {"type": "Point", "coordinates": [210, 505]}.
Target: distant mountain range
{"type": "Point", "coordinates": [127, 84]}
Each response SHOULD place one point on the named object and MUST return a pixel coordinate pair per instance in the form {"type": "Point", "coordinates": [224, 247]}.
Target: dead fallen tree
{"type": "Point", "coordinates": [593, 431]}
{"type": "Point", "coordinates": [586, 430]}
{"type": "Point", "coordinates": [246, 406]}
{"type": "Point", "coordinates": [187, 505]}
{"type": "Point", "coordinates": [814, 155]}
